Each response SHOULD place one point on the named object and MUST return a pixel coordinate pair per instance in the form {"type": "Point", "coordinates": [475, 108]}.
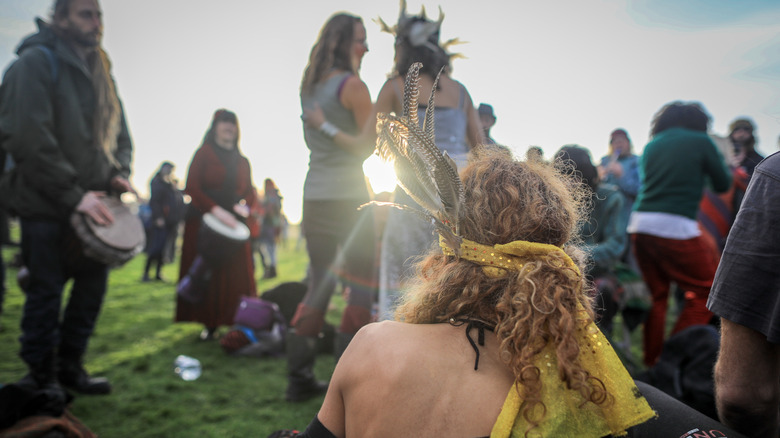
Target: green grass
{"type": "Point", "coordinates": [135, 344]}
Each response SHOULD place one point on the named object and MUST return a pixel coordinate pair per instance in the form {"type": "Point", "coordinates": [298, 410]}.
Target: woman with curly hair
{"type": "Point", "coordinates": [496, 340]}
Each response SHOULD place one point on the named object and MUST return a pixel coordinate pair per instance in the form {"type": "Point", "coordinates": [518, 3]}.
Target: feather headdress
{"type": "Point", "coordinates": [427, 174]}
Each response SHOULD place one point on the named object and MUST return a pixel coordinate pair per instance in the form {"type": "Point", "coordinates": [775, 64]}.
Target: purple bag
{"type": "Point", "coordinates": [257, 314]}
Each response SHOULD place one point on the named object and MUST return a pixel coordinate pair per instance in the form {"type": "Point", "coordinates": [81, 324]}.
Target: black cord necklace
{"type": "Point", "coordinates": [480, 325]}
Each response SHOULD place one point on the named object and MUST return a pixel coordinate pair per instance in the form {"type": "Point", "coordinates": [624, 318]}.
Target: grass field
{"type": "Point", "coordinates": [135, 344]}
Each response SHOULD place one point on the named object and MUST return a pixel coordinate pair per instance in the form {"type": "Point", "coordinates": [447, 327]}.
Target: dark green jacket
{"type": "Point", "coordinates": [46, 126]}
{"type": "Point", "coordinates": [675, 167]}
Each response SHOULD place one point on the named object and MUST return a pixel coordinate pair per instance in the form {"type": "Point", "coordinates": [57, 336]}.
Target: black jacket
{"type": "Point", "coordinates": [46, 119]}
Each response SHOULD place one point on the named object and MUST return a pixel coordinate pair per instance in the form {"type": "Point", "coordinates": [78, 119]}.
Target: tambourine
{"type": "Point", "coordinates": [114, 244]}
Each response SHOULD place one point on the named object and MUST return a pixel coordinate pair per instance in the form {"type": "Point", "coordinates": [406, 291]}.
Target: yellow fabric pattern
{"type": "Point", "coordinates": [498, 259]}
{"type": "Point", "coordinates": [566, 414]}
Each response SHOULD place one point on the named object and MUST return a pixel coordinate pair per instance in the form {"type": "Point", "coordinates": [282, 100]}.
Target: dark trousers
{"type": "Point", "coordinates": [340, 241]}
{"type": "Point", "coordinates": [50, 266]}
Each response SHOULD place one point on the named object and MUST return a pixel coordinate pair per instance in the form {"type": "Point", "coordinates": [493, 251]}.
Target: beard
{"type": "Point", "coordinates": [84, 39]}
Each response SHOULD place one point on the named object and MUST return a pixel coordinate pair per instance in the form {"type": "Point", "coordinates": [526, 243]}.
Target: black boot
{"type": "Point", "coordinates": [73, 375]}
{"type": "Point", "coordinates": [42, 379]}
{"type": "Point", "coordinates": [301, 385]}
{"type": "Point", "coordinates": [146, 278]}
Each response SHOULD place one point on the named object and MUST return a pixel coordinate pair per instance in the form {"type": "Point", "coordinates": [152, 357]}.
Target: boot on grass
{"type": "Point", "coordinates": [301, 383]}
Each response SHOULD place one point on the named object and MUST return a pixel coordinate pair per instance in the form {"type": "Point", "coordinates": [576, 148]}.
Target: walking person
{"type": "Point", "coordinates": [166, 215]}
{"type": "Point", "coordinates": [271, 226]}
{"type": "Point", "coordinates": [339, 133]}
{"type": "Point", "coordinates": [63, 124]}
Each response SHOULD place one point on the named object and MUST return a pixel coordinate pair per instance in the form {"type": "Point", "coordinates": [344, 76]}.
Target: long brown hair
{"type": "Point", "coordinates": [107, 119]}
{"type": "Point", "coordinates": [333, 50]}
{"type": "Point", "coordinates": [508, 200]}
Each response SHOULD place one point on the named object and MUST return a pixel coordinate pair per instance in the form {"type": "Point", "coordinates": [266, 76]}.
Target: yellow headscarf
{"type": "Point", "coordinates": [567, 414]}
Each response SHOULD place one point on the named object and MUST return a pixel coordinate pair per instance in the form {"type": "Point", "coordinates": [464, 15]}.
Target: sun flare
{"type": "Point", "coordinates": [380, 174]}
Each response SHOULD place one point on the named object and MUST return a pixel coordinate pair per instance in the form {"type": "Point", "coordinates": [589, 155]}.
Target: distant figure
{"type": "Point", "coordinates": [62, 121]}
{"type": "Point", "coordinates": [487, 119]}
{"type": "Point", "coordinates": [458, 132]}
{"type": "Point", "coordinates": [603, 232]}
{"type": "Point", "coordinates": [675, 166]}
{"type": "Point", "coordinates": [534, 153]}
{"type": "Point", "coordinates": [271, 226]}
{"type": "Point", "coordinates": [746, 295]}
{"type": "Point", "coordinates": [219, 181]}
{"type": "Point", "coordinates": [166, 212]}
{"type": "Point", "coordinates": [339, 131]}
{"type": "Point", "coordinates": [743, 140]}
{"type": "Point", "coordinates": [621, 168]}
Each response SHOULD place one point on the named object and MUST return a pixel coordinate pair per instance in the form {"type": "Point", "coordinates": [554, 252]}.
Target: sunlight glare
{"type": "Point", "coordinates": [380, 174]}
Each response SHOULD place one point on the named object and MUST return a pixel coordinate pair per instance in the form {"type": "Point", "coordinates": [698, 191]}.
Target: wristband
{"type": "Point", "coordinates": [329, 129]}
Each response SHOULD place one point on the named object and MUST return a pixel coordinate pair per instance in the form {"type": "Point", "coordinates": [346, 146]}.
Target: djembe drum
{"type": "Point", "coordinates": [217, 243]}
{"type": "Point", "coordinates": [114, 244]}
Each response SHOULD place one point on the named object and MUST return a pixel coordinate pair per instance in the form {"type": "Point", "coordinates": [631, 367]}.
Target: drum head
{"type": "Point", "coordinates": [125, 233]}
{"type": "Point", "coordinates": [238, 233]}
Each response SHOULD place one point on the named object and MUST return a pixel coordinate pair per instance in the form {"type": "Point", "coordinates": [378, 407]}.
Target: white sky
{"type": "Point", "coordinates": [556, 72]}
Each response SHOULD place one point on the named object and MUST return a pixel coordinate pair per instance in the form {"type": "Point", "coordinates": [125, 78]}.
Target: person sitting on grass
{"type": "Point", "coordinates": [470, 332]}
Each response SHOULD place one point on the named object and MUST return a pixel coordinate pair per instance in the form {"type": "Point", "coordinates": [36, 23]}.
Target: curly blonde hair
{"type": "Point", "coordinates": [508, 200]}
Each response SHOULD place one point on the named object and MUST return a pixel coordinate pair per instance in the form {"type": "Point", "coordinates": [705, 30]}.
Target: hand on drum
{"type": "Point", "coordinates": [122, 185]}
{"type": "Point", "coordinates": [224, 216]}
{"type": "Point", "coordinates": [91, 206]}
{"type": "Point", "coordinates": [241, 210]}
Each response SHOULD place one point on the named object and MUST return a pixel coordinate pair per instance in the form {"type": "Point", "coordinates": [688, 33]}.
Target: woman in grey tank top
{"type": "Point", "coordinates": [457, 132]}
{"type": "Point", "coordinates": [336, 111]}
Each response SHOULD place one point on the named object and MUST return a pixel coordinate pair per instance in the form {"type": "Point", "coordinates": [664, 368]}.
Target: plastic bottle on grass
{"type": "Point", "coordinates": [188, 368]}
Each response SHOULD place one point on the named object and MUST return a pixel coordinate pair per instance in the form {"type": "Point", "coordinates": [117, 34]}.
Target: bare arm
{"type": "Point", "coordinates": [356, 98]}
{"type": "Point", "coordinates": [747, 392]}
{"type": "Point", "coordinates": [474, 133]}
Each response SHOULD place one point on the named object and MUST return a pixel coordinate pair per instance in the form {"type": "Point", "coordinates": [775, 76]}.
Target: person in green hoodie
{"type": "Point", "coordinates": [63, 124]}
{"type": "Point", "coordinates": [677, 163]}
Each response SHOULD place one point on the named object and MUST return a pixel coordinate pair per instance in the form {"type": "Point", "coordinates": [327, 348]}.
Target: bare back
{"type": "Point", "coordinates": [447, 96]}
{"type": "Point", "coordinates": [398, 379]}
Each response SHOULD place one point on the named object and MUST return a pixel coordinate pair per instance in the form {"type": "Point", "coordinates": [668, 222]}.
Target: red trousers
{"type": "Point", "coordinates": [691, 264]}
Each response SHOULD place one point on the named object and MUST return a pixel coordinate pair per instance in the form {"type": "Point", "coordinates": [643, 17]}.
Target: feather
{"type": "Point", "coordinates": [412, 92]}
{"type": "Point", "coordinates": [428, 123]}
{"type": "Point", "coordinates": [452, 239]}
{"type": "Point", "coordinates": [429, 176]}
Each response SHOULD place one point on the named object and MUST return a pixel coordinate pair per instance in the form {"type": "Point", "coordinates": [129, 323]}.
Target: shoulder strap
{"type": "Point", "coordinates": [53, 61]}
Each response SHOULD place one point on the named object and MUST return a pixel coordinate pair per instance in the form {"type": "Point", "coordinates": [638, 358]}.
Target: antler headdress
{"type": "Point", "coordinates": [420, 32]}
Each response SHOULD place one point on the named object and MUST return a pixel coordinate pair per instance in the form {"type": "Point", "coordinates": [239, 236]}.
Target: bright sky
{"type": "Point", "coordinates": [556, 72]}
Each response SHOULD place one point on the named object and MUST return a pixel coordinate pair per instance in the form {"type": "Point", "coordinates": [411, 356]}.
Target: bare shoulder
{"type": "Point", "coordinates": [354, 84]}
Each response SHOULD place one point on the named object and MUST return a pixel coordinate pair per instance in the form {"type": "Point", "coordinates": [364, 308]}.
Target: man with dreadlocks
{"type": "Point", "coordinates": [63, 124]}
